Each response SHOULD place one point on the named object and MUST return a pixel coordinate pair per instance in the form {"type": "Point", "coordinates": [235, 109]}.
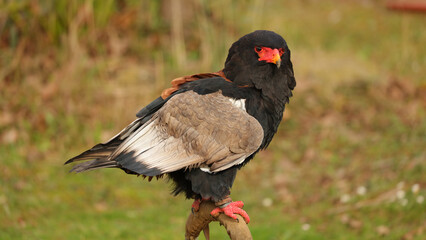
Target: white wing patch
{"type": "Point", "coordinates": [151, 147]}
{"type": "Point", "coordinates": [205, 169]}
{"type": "Point", "coordinates": [239, 103]}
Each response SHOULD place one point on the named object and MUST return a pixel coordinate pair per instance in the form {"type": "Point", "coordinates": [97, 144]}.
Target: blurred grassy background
{"type": "Point", "coordinates": [348, 161]}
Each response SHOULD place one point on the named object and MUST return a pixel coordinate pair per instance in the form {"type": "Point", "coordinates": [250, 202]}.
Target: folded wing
{"type": "Point", "coordinates": [190, 131]}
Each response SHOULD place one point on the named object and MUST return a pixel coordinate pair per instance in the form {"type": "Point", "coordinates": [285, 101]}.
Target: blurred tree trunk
{"type": "Point", "coordinates": [178, 41]}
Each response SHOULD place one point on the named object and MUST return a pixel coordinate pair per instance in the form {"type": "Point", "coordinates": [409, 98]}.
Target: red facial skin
{"type": "Point", "coordinates": [268, 54]}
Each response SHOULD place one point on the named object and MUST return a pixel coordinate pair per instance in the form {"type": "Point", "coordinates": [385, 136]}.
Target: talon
{"type": "Point", "coordinates": [230, 210]}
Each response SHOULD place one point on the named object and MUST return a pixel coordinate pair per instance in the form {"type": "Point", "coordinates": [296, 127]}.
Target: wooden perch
{"type": "Point", "coordinates": [197, 221]}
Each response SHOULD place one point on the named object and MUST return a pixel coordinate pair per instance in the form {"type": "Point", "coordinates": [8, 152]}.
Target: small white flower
{"type": "Point", "coordinates": [415, 188]}
{"type": "Point", "coordinates": [400, 194]}
{"type": "Point", "coordinates": [345, 198]}
{"type": "Point", "coordinates": [400, 185]}
{"type": "Point", "coordinates": [267, 202]}
{"type": "Point", "coordinates": [420, 199]}
{"type": "Point", "coordinates": [306, 227]}
{"type": "Point", "coordinates": [361, 190]}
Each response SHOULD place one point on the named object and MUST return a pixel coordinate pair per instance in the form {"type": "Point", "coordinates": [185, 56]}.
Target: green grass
{"type": "Point", "coordinates": [73, 74]}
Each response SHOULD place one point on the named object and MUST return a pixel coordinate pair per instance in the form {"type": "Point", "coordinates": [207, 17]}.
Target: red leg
{"type": "Point", "coordinates": [196, 205]}
{"type": "Point", "coordinates": [231, 209]}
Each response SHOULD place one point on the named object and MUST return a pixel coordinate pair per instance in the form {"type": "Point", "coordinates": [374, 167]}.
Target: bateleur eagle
{"type": "Point", "coordinates": [206, 126]}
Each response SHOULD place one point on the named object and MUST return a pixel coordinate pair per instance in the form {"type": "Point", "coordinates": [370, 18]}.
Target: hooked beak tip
{"type": "Point", "coordinates": [278, 63]}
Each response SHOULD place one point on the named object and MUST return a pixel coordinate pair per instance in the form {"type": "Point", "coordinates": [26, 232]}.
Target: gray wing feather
{"type": "Point", "coordinates": [191, 130]}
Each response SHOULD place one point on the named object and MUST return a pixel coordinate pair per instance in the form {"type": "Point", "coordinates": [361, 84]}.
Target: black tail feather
{"type": "Point", "coordinates": [94, 164]}
{"type": "Point", "coordinates": [99, 151]}
{"type": "Point", "coordinates": [99, 155]}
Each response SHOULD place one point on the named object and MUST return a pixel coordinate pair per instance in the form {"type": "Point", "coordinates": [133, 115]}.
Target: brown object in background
{"type": "Point", "coordinates": [408, 6]}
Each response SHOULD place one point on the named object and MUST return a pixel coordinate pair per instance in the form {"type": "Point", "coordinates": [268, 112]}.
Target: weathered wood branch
{"type": "Point", "coordinates": [197, 221]}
